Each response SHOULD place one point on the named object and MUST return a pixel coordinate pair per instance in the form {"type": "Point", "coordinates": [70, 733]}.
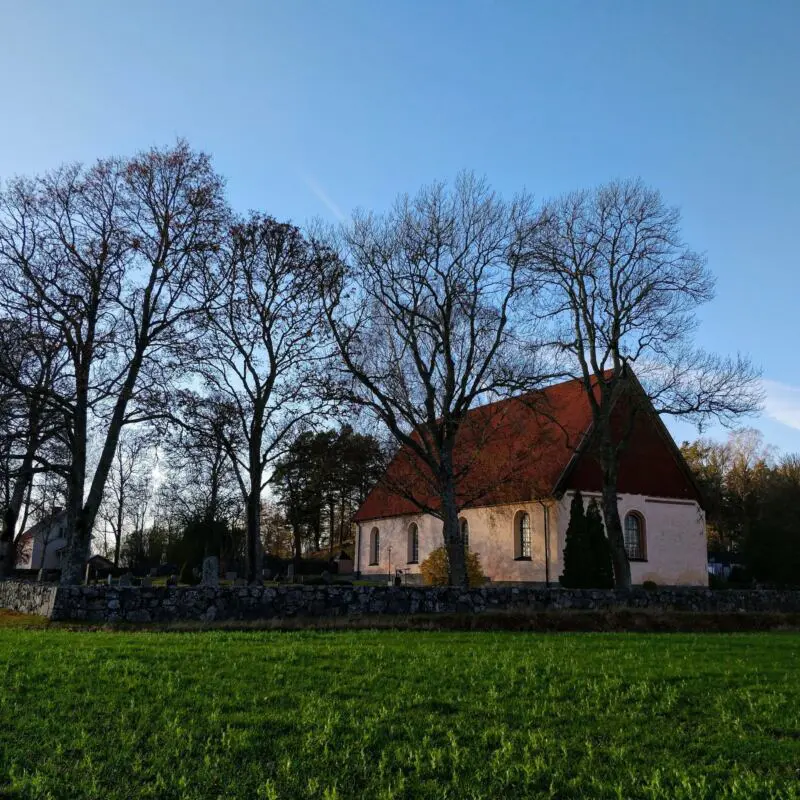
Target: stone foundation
{"type": "Point", "coordinates": [167, 604]}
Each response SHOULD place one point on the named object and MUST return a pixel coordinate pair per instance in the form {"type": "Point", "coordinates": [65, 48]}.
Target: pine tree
{"type": "Point", "coordinates": [602, 568]}
{"type": "Point", "coordinates": [577, 553]}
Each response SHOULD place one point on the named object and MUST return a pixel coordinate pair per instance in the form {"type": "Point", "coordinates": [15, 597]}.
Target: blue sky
{"type": "Point", "coordinates": [313, 108]}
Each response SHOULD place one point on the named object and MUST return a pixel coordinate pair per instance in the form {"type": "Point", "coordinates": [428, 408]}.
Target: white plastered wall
{"type": "Point", "coordinates": [491, 536]}
{"type": "Point", "coordinates": [675, 540]}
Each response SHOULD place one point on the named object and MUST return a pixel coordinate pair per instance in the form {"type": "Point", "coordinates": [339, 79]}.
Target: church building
{"type": "Point", "coordinates": [519, 462]}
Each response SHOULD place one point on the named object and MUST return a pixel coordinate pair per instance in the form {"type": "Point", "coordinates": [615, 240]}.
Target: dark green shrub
{"type": "Point", "coordinates": [577, 567]}
{"type": "Point", "coordinates": [587, 554]}
{"type": "Point", "coordinates": [602, 568]}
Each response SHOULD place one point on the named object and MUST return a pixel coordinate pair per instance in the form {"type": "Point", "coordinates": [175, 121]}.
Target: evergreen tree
{"type": "Point", "coordinates": [599, 549]}
{"type": "Point", "coordinates": [577, 555]}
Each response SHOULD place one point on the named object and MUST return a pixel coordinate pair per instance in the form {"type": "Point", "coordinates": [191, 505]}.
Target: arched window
{"type": "Point", "coordinates": [465, 533]}
{"type": "Point", "coordinates": [413, 543]}
{"type": "Point", "coordinates": [522, 535]}
{"type": "Point", "coordinates": [374, 547]}
{"type": "Point", "coordinates": [634, 536]}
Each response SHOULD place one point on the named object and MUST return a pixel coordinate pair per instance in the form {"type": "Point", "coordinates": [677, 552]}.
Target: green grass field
{"type": "Point", "coordinates": [398, 714]}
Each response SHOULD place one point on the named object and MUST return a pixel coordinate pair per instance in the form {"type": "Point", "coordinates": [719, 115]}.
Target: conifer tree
{"type": "Point", "coordinates": [601, 574]}
{"type": "Point", "coordinates": [577, 554]}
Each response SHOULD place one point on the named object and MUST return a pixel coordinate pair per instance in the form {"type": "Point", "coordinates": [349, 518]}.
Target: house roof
{"type": "Point", "coordinates": [100, 561]}
{"type": "Point", "coordinates": [493, 454]}
{"type": "Point", "coordinates": [52, 519]}
{"type": "Point", "coordinates": [530, 447]}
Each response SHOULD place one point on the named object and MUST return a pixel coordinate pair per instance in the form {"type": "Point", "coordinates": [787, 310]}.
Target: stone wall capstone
{"type": "Point", "coordinates": [103, 603]}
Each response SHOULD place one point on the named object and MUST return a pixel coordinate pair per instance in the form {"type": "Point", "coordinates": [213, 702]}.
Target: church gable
{"type": "Point", "coordinates": [650, 464]}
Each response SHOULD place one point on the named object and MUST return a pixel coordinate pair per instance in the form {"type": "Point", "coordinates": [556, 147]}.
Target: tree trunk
{"type": "Point", "coordinates": [452, 539]}
{"type": "Point", "coordinates": [298, 544]}
{"type": "Point", "coordinates": [80, 531]}
{"type": "Point", "coordinates": [622, 567]}
{"type": "Point", "coordinates": [118, 531]}
{"type": "Point", "coordinates": [21, 484]}
{"type": "Point", "coordinates": [331, 523]}
{"type": "Point", "coordinates": [253, 537]}
{"type": "Point", "coordinates": [78, 541]}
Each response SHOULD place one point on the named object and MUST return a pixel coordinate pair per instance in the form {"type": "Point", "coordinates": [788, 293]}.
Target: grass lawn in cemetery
{"type": "Point", "coordinates": [390, 714]}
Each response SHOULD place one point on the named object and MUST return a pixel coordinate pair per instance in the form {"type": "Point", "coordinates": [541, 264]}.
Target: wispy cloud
{"type": "Point", "coordinates": [782, 403]}
{"type": "Point", "coordinates": [322, 196]}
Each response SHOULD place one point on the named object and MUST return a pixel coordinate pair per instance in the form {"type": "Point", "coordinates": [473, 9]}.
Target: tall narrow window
{"type": "Point", "coordinates": [413, 543]}
{"type": "Point", "coordinates": [374, 547]}
{"type": "Point", "coordinates": [465, 534]}
{"type": "Point", "coordinates": [523, 548]}
{"type": "Point", "coordinates": [634, 537]}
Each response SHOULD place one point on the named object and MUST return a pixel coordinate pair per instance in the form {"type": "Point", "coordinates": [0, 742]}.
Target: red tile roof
{"type": "Point", "coordinates": [518, 449]}
{"type": "Point", "coordinates": [507, 451]}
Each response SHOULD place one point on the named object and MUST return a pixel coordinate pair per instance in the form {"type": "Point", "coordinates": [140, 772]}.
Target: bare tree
{"type": "Point", "coordinates": [623, 289]}
{"type": "Point", "coordinates": [422, 307]}
{"type": "Point", "coordinates": [128, 479]}
{"type": "Point", "coordinates": [105, 255]}
{"type": "Point", "coordinates": [202, 483]}
{"type": "Point", "coordinates": [264, 347]}
{"type": "Point", "coordinates": [29, 366]}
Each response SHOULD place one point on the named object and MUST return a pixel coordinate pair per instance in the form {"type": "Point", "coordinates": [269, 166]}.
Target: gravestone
{"type": "Point", "coordinates": [211, 571]}
{"type": "Point", "coordinates": [110, 579]}
{"type": "Point", "coordinates": [290, 573]}
{"type": "Point", "coordinates": [172, 580]}
{"type": "Point", "coordinates": [126, 579]}
{"type": "Point", "coordinates": [87, 577]}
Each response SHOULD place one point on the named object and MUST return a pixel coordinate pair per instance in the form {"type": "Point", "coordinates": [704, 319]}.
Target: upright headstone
{"type": "Point", "coordinates": [210, 571]}
{"type": "Point", "coordinates": [110, 579]}
{"type": "Point", "coordinates": [290, 573]}
{"type": "Point", "coordinates": [87, 576]}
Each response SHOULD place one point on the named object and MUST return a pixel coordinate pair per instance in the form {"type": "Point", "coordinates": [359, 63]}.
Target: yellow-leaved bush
{"type": "Point", "coordinates": [434, 568]}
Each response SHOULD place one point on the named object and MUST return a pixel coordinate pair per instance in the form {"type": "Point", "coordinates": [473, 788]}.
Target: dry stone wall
{"type": "Point", "coordinates": [27, 597]}
{"type": "Point", "coordinates": [166, 604]}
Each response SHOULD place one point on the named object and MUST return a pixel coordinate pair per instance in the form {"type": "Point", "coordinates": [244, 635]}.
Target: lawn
{"type": "Point", "coordinates": [398, 714]}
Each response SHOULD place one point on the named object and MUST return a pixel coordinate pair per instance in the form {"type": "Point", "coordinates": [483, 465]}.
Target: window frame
{"type": "Point", "coordinates": [413, 544]}
{"type": "Point", "coordinates": [520, 543]}
{"type": "Point", "coordinates": [641, 534]}
{"type": "Point", "coordinates": [374, 547]}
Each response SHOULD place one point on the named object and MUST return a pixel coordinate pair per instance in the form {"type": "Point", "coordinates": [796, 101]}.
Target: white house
{"type": "Point", "coordinates": [520, 462]}
{"type": "Point", "coordinates": [42, 545]}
